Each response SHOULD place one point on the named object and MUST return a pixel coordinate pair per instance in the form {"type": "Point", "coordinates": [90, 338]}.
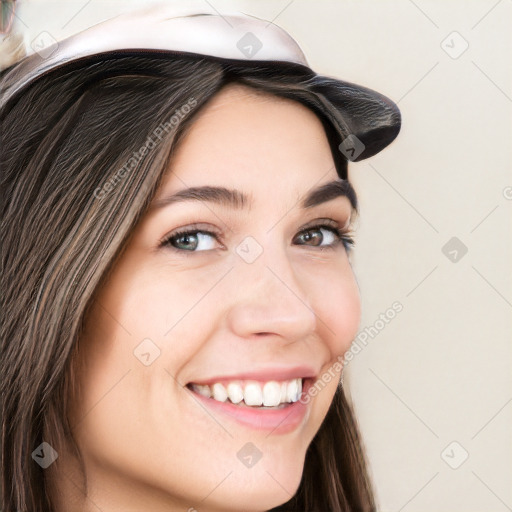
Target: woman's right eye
{"type": "Point", "coordinates": [190, 240]}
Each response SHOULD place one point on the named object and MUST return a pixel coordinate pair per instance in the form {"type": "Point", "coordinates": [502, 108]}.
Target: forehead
{"type": "Point", "coordinates": [254, 141]}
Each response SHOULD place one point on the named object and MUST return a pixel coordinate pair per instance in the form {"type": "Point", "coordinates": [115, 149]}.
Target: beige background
{"type": "Point", "coordinates": [440, 371]}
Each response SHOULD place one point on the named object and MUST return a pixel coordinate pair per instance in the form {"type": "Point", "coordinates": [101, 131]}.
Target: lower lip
{"type": "Point", "coordinates": [276, 421]}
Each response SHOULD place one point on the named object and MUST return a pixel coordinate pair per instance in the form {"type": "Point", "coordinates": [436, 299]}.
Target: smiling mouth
{"type": "Point", "coordinates": [253, 394]}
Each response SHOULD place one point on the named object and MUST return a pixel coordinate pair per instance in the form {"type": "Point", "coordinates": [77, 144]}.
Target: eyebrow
{"type": "Point", "coordinates": [238, 200]}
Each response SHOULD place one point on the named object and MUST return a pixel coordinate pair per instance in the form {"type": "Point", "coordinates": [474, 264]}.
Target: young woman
{"type": "Point", "coordinates": [177, 290]}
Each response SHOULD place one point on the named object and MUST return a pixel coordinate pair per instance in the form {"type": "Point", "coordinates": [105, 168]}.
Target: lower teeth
{"type": "Point", "coordinates": [243, 404]}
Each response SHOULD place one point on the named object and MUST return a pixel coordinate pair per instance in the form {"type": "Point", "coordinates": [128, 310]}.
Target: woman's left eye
{"type": "Point", "coordinates": [334, 237]}
{"type": "Point", "coordinates": [191, 239]}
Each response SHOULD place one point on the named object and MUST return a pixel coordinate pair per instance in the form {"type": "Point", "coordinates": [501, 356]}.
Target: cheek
{"type": "Point", "coordinates": [119, 394]}
{"type": "Point", "coordinates": [139, 317]}
{"type": "Point", "coordinates": [138, 304]}
{"type": "Point", "coordinates": [337, 304]}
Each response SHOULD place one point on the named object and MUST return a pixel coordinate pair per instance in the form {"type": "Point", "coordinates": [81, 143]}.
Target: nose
{"type": "Point", "coordinates": [270, 299]}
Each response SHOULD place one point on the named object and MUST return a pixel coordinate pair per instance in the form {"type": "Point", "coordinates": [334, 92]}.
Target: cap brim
{"type": "Point", "coordinates": [366, 120]}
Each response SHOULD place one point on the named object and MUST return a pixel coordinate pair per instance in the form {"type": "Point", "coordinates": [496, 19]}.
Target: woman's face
{"type": "Point", "coordinates": [249, 298]}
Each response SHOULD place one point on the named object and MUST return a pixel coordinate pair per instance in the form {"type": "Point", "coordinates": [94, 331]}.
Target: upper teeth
{"type": "Point", "coordinates": [269, 394]}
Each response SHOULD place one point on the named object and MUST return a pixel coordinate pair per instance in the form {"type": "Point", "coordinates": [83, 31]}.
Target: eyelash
{"type": "Point", "coordinates": [341, 235]}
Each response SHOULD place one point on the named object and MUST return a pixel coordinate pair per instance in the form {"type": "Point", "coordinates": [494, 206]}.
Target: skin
{"type": "Point", "coordinates": [147, 443]}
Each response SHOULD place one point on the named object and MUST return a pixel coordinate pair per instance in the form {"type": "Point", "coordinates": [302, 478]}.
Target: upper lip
{"type": "Point", "coordinates": [264, 375]}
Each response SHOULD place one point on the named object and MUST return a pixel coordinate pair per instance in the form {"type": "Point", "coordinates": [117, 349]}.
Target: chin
{"type": "Point", "coordinates": [271, 485]}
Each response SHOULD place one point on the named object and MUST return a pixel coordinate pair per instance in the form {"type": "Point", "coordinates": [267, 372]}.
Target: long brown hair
{"type": "Point", "coordinates": [70, 133]}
